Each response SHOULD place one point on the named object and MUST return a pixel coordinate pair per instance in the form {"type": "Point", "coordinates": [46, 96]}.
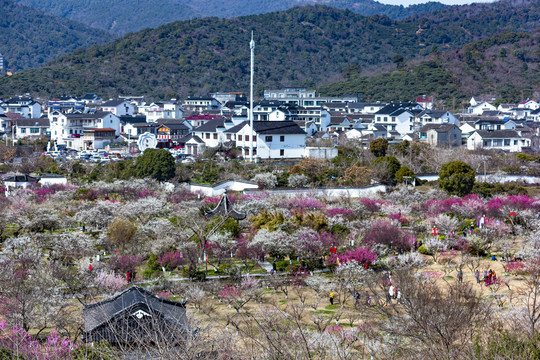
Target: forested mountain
{"type": "Point", "coordinates": [123, 16]}
{"type": "Point", "coordinates": [506, 65]}
{"type": "Point", "coordinates": [29, 38]}
{"type": "Point", "coordinates": [306, 46]}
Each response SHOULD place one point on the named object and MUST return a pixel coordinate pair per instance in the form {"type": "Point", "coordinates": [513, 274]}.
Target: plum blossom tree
{"type": "Point", "coordinates": [265, 180]}
{"type": "Point", "coordinates": [312, 245]}
{"type": "Point", "coordinates": [276, 243]}
{"type": "Point", "coordinates": [110, 282]}
{"type": "Point", "coordinates": [98, 214]}
{"type": "Point", "coordinates": [29, 294]}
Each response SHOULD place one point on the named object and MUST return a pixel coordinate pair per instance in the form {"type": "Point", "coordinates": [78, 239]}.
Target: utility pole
{"type": "Point", "coordinates": [252, 47]}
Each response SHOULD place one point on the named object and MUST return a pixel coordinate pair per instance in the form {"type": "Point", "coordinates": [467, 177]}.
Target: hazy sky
{"type": "Point", "coordinates": [448, 2]}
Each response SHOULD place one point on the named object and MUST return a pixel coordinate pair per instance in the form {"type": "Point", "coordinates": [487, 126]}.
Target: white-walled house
{"type": "Point", "coordinates": [52, 179]}
{"type": "Point", "coordinates": [271, 139]}
{"type": "Point", "coordinates": [24, 106]}
{"type": "Point", "coordinates": [529, 104]}
{"type": "Point", "coordinates": [397, 117]}
{"type": "Point", "coordinates": [32, 128]}
{"type": "Point", "coordinates": [157, 110]}
{"type": "Point", "coordinates": [437, 117]}
{"type": "Point", "coordinates": [508, 140]}
{"type": "Point", "coordinates": [213, 132]}
{"type": "Point", "coordinates": [118, 107]}
{"type": "Point", "coordinates": [200, 104]}
{"type": "Point", "coordinates": [479, 109]}
{"type": "Point", "coordinates": [318, 115]}
{"type": "Point", "coordinates": [15, 182]}
{"type": "Point", "coordinates": [67, 129]}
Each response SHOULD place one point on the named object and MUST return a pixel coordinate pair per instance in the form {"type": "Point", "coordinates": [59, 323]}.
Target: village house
{"type": "Point", "coordinates": [508, 140]}
{"type": "Point", "coordinates": [200, 104]}
{"type": "Point", "coordinates": [441, 135]}
{"type": "Point", "coordinates": [479, 109]}
{"type": "Point", "coordinates": [271, 139]}
{"type": "Point", "coordinates": [319, 116]}
{"type": "Point", "coordinates": [194, 145]}
{"type": "Point", "coordinates": [436, 117]}
{"type": "Point", "coordinates": [159, 110]}
{"type": "Point", "coordinates": [398, 117]}
{"type": "Point", "coordinates": [494, 124]}
{"type": "Point", "coordinates": [529, 104]}
{"type": "Point", "coordinates": [425, 101]}
{"type": "Point", "coordinates": [170, 131]}
{"type": "Point", "coordinates": [24, 106]}
{"type": "Point", "coordinates": [96, 138]}
{"type": "Point", "coordinates": [67, 129]}
{"type": "Point", "coordinates": [364, 108]}
{"type": "Point", "coordinates": [118, 107]}
{"type": "Point", "coordinates": [201, 119]}
{"type": "Point", "coordinates": [225, 97]}
{"type": "Point", "coordinates": [32, 128]}
{"type": "Point", "coordinates": [14, 182]}
{"type": "Point", "coordinates": [65, 105]}
{"type": "Point", "coordinates": [213, 132]}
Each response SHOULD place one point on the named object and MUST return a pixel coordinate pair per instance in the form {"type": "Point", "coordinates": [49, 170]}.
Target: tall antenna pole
{"type": "Point", "coordinates": [252, 47]}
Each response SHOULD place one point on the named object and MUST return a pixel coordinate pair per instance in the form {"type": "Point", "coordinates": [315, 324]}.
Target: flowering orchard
{"type": "Point", "coordinates": [316, 263]}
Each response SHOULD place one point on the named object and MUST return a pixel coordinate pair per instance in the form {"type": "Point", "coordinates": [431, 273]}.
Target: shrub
{"type": "Point", "coordinates": [402, 172]}
{"type": "Point", "coordinates": [457, 178]}
{"type": "Point", "coordinates": [155, 163]}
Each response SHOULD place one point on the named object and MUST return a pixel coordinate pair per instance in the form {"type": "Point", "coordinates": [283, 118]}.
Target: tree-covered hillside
{"type": "Point", "coordinates": [123, 16]}
{"type": "Point", "coordinates": [29, 38]}
{"type": "Point", "coordinates": [505, 65]}
{"type": "Point", "coordinates": [306, 46]}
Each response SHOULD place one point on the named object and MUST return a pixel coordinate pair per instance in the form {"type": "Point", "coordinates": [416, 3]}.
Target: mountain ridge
{"type": "Point", "coordinates": [30, 38]}
{"type": "Point", "coordinates": [305, 46]}
{"type": "Point", "coordinates": [122, 16]}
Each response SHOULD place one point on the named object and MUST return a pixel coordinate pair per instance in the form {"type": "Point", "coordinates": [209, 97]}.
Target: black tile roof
{"type": "Point", "coordinates": [96, 115]}
{"type": "Point", "coordinates": [114, 102]}
{"type": "Point", "coordinates": [498, 134]}
{"type": "Point", "coordinates": [37, 122]}
{"type": "Point", "coordinates": [270, 127]}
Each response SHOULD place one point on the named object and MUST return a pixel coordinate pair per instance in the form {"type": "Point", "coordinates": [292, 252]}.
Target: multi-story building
{"type": "Point", "coordinates": [67, 129]}
{"type": "Point", "coordinates": [289, 93]}
{"type": "Point", "coordinates": [118, 107]}
{"type": "Point", "coordinates": [200, 104]}
{"type": "Point", "coordinates": [271, 139]}
{"type": "Point", "coordinates": [24, 106]}
{"type": "Point", "coordinates": [159, 110]}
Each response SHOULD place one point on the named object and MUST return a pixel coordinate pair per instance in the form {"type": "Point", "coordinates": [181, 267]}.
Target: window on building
{"type": "Point", "coordinates": [515, 142]}
{"type": "Point", "coordinates": [282, 138]}
{"type": "Point", "coordinates": [254, 138]}
{"type": "Point", "coordinates": [228, 136]}
{"type": "Point", "coordinates": [239, 137]}
{"type": "Point", "coordinates": [208, 135]}
{"type": "Point", "coordinates": [282, 152]}
{"type": "Point", "coordinates": [268, 138]}
{"type": "Point", "coordinates": [215, 136]}
{"type": "Point", "coordinates": [23, 130]}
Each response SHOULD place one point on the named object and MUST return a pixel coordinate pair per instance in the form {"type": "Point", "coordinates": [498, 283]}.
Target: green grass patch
{"type": "Point", "coordinates": [332, 307]}
{"type": "Point", "coordinates": [327, 312]}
